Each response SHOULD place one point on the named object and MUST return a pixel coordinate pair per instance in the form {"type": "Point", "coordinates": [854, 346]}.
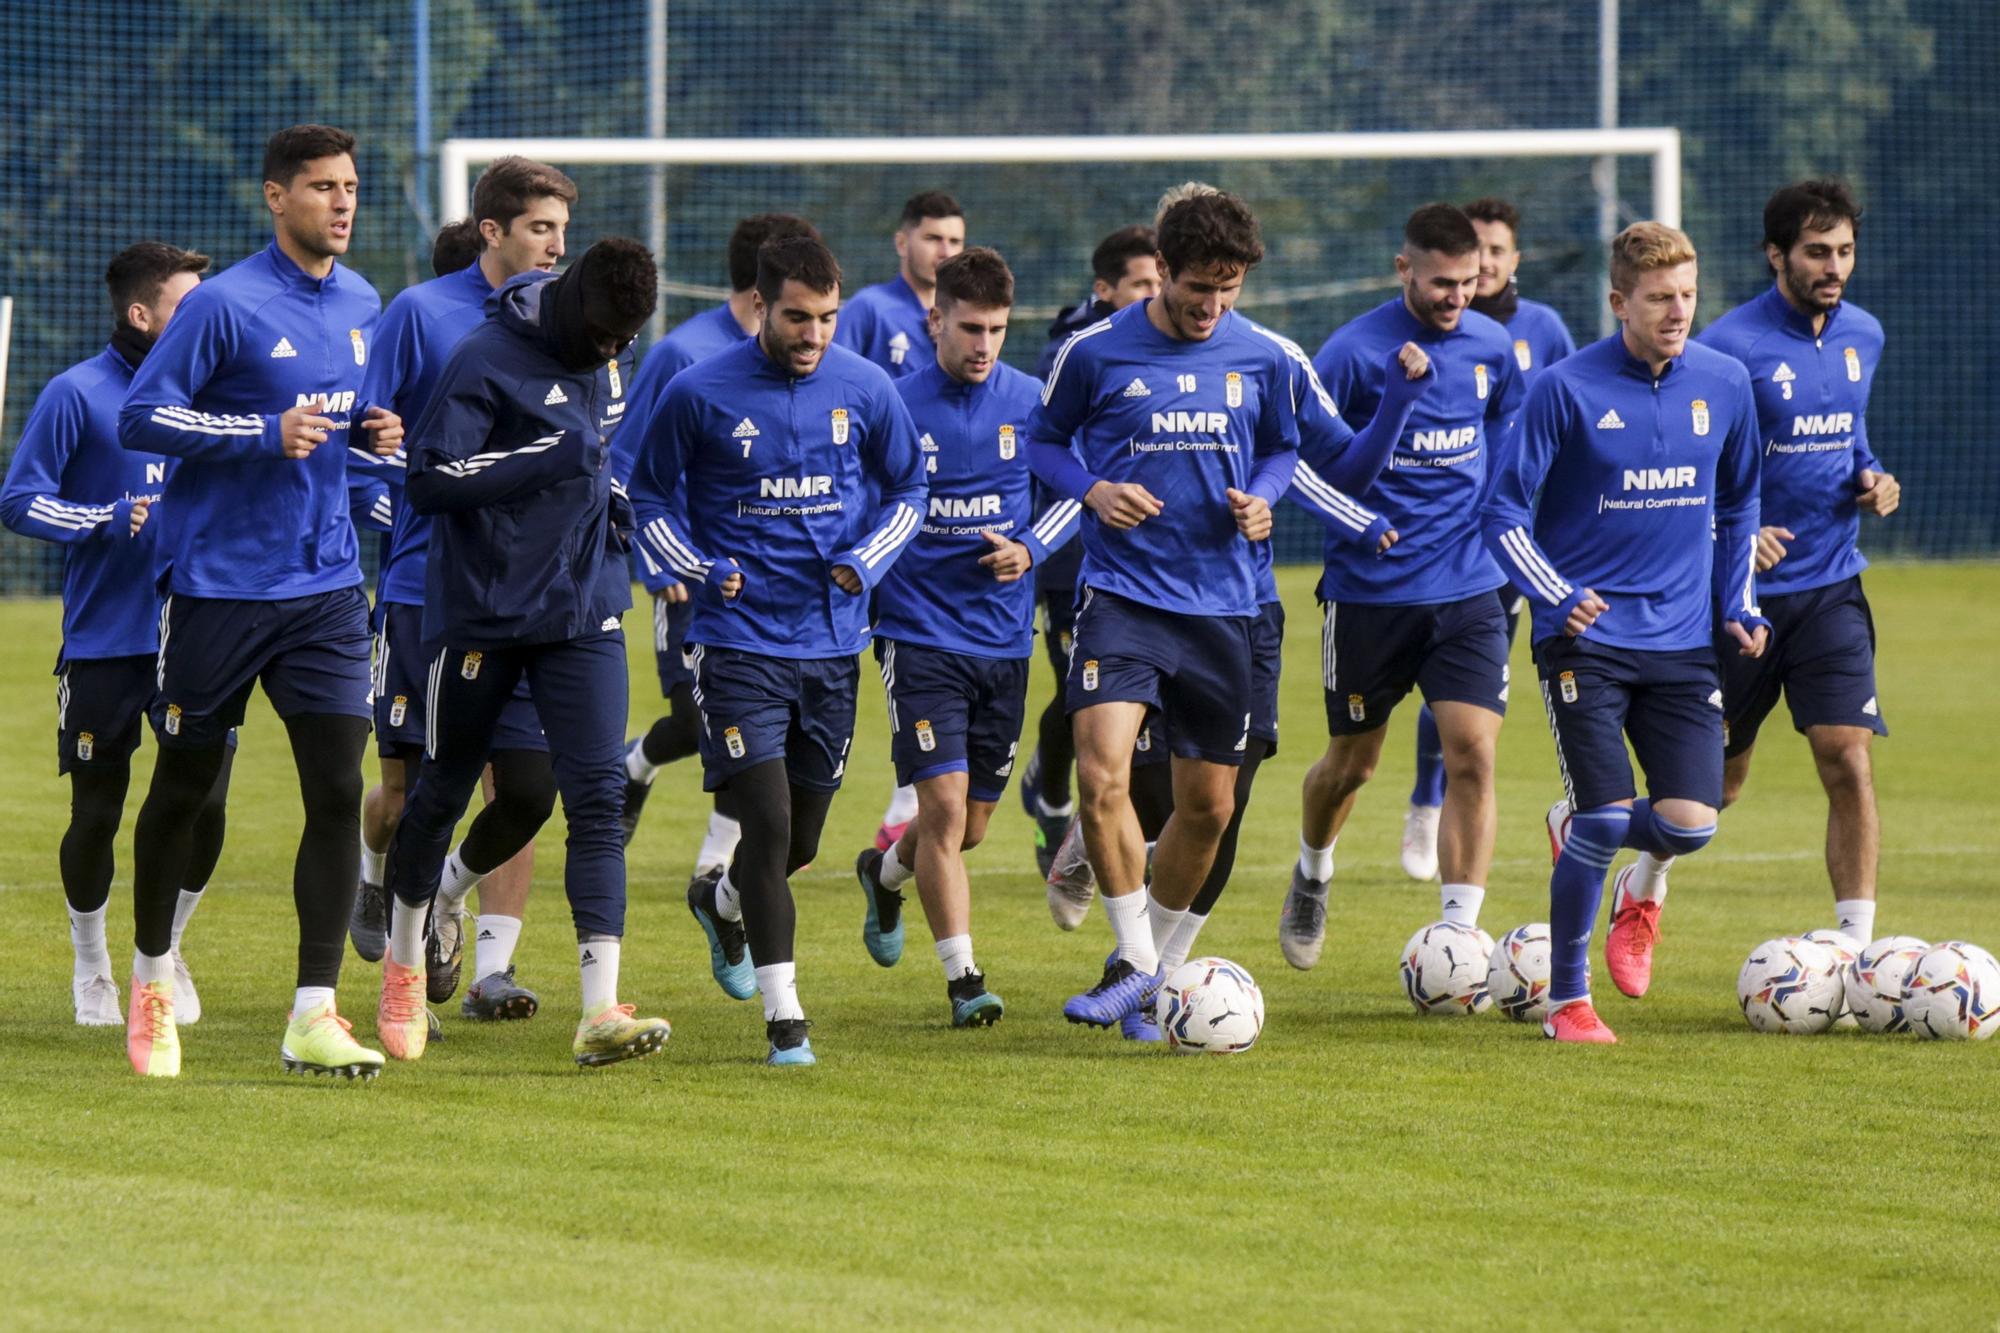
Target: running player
{"type": "Point", "coordinates": [526, 576]}
{"type": "Point", "coordinates": [1125, 268]}
{"type": "Point", "coordinates": [1176, 422]}
{"type": "Point", "coordinates": [255, 387]}
{"type": "Point", "coordinates": [675, 735]}
{"type": "Point", "coordinates": [69, 482]}
{"type": "Point", "coordinates": [521, 212]}
{"type": "Point", "coordinates": [1643, 449]}
{"type": "Point", "coordinates": [889, 324]}
{"type": "Point", "coordinates": [1812, 358]}
{"type": "Point", "coordinates": [1540, 340]}
{"type": "Point", "coordinates": [955, 622]}
{"type": "Point", "coordinates": [1423, 614]}
{"type": "Point", "coordinates": [797, 470]}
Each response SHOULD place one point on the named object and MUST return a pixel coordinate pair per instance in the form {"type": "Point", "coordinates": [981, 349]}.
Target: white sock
{"type": "Point", "coordinates": [147, 970]}
{"type": "Point", "coordinates": [456, 882]}
{"type": "Point", "coordinates": [1181, 943]}
{"type": "Point", "coordinates": [371, 861]}
{"type": "Point", "coordinates": [1316, 863]}
{"type": "Point", "coordinates": [719, 843]}
{"type": "Point", "coordinates": [308, 998]}
{"type": "Point", "coordinates": [955, 953]}
{"type": "Point", "coordinates": [1164, 920]}
{"type": "Point", "coordinates": [183, 913]}
{"type": "Point", "coordinates": [597, 961]}
{"type": "Point", "coordinates": [1063, 811]}
{"type": "Point", "coordinates": [894, 873]}
{"type": "Point", "coordinates": [779, 985]}
{"type": "Point", "coordinates": [728, 903]}
{"type": "Point", "coordinates": [1134, 932]}
{"type": "Point", "coordinates": [902, 807]}
{"type": "Point", "coordinates": [86, 938]}
{"type": "Point", "coordinates": [493, 944]}
{"type": "Point", "coordinates": [406, 933]}
{"type": "Point", "coordinates": [1649, 878]}
{"type": "Point", "coordinates": [637, 767]}
{"type": "Point", "coordinates": [1856, 917]}
{"type": "Point", "coordinates": [1461, 903]}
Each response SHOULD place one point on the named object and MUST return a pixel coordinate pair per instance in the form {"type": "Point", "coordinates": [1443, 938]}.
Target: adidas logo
{"type": "Point", "coordinates": [746, 429]}
{"type": "Point", "coordinates": [283, 349]}
{"type": "Point", "coordinates": [1137, 389]}
{"type": "Point", "coordinates": [1869, 709]}
{"type": "Point", "coordinates": [589, 959]}
{"type": "Point", "coordinates": [485, 934]}
{"type": "Point", "coordinates": [1715, 698]}
{"type": "Point", "coordinates": [1783, 374]}
{"type": "Point", "coordinates": [556, 395]}
{"type": "Point", "coordinates": [1611, 421]}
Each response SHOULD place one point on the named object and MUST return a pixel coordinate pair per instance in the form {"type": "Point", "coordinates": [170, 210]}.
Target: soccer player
{"type": "Point", "coordinates": [1125, 267]}
{"type": "Point", "coordinates": [1540, 340]}
{"type": "Point", "coordinates": [889, 324]}
{"type": "Point", "coordinates": [70, 483]}
{"type": "Point", "coordinates": [526, 576]}
{"type": "Point", "coordinates": [521, 211]}
{"type": "Point", "coordinates": [1812, 357]}
{"type": "Point", "coordinates": [1176, 422]}
{"type": "Point", "coordinates": [255, 387]}
{"type": "Point", "coordinates": [955, 622]}
{"type": "Point", "coordinates": [675, 735]}
{"type": "Point", "coordinates": [1644, 450]}
{"type": "Point", "coordinates": [797, 470]}
{"type": "Point", "coordinates": [1422, 614]}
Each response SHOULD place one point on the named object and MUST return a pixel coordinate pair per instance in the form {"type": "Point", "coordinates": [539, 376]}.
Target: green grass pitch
{"type": "Point", "coordinates": [1360, 1167]}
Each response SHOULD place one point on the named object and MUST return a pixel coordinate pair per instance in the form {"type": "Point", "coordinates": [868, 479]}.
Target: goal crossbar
{"type": "Point", "coordinates": [457, 157]}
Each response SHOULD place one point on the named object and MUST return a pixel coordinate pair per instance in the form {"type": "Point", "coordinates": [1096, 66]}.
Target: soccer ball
{"type": "Point", "coordinates": [1517, 977]}
{"type": "Point", "coordinates": [1444, 969]}
{"type": "Point", "coordinates": [1845, 950]}
{"type": "Point", "coordinates": [1790, 985]}
{"type": "Point", "coordinates": [1954, 992]}
{"type": "Point", "coordinates": [1210, 1006]}
{"type": "Point", "coordinates": [1875, 984]}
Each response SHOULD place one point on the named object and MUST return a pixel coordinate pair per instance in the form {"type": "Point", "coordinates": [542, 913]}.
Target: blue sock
{"type": "Point", "coordinates": [1575, 890]}
{"type": "Point", "coordinates": [1429, 789]}
{"type": "Point", "coordinates": [1662, 837]}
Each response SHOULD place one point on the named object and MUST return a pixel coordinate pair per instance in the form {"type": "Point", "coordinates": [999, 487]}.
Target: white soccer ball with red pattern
{"type": "Point", "coordinates": [1210, 1006]}
{"type": "Point", "coordinates": [1517, 975]}
{"type": "Point", "coordinates": [1875, 985]}
{"type": "Point", "coordinates": [1791, 984]}
{"type": "Point", "coordinates": [1954, 993]}
{"type": "Point", "coordinates": [1444, 969]}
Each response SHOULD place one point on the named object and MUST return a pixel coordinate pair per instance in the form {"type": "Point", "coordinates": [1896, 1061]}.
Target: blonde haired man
{"type": "Point", "coordinates": [1637, 445]}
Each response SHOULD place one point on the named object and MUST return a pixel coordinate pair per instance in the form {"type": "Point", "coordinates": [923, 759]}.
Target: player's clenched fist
{"type": "Point", "coordinates": [1585, 613]}
{"type": "Point", "coordinates": [1415, 362]}
{"type": "Point", "coordinates": [386, 430]}
{"type": "Point", "coordinates": [1009, 560]}
{"type": "Point", "coordinates": [1122, 504]}
{"type": "Point", "coordinates": [301, 430]}
{"type": "Point", "coordinates": [1252, 513]}
{"type": "Point", "coordinates": [140, 508]}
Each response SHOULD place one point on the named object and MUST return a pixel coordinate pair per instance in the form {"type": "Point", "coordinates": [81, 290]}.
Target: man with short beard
{"type": "Point", "coordinates": [1422, 614]}
{"type": "Point", "coordinates": [1812, 357]}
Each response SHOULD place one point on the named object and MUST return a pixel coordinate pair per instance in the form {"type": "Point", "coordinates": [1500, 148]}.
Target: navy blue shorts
{"type": "Point", "coordinates": [1822, 656]}
{"type": "Point", "coordinates": [402, 690]}
{"type": "Point", "coordinates": [1267, 659]}
{"type": "Point", "coordinates": [100, 703]}
{"type": "Point", "coordinates": [310, 653]}
{"type": "Point", "coordinates": [1669, 703]}
{"type": "Point", "coordinates": [1195, 669]}
{"type": "Point", "coordinates": [670, 627]}
{"type": "Point", "coordinates": [1371, 656]}
{"type": "Point", "coordinates": [953, 713]}
{"type": "Point", "coordinates": [756, 708]}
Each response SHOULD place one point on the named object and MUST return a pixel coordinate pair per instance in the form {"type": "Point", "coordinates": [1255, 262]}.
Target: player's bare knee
{"type": "Point", "coordinates": [1845, 765]}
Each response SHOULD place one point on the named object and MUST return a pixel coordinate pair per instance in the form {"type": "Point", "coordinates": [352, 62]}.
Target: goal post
{"type": "Point", "coordinates": [1662, 147]}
